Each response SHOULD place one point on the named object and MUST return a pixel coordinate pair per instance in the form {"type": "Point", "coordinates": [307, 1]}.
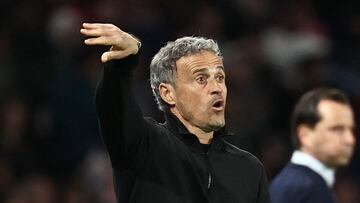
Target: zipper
{"type": "Point", "coordinates": [209, 181]}
{"type": "Point", "coordinates": [209, 173]}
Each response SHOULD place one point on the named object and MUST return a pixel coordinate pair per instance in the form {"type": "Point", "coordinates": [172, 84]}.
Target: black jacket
{"type": "Point", "coordinates": [165, 163]}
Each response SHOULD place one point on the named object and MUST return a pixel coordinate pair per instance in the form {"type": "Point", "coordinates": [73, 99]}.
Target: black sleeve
{"type": "Point", "coordinates": [263, 193]}
{"type": "Point", "coordinates": [124, 130]}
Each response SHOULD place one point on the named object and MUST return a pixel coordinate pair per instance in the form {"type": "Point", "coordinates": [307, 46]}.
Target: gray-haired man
{"type": "Point", "coordinates": [185, 159]}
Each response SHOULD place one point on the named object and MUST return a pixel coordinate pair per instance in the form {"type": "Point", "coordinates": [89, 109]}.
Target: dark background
{"type": "Point", "coordinates": [274, 50]}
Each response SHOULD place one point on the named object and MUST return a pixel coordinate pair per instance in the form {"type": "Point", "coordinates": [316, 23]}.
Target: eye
{"type": "Point", "coordinates": [338, 129]}
{"type": "Point", "coordinates": [220, 78]}
{"type": "Point", "coordinates": [201, 79]}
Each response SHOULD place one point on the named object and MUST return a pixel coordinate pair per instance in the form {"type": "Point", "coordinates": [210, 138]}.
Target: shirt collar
{"type": "Point", "coordinates": [302, 158]}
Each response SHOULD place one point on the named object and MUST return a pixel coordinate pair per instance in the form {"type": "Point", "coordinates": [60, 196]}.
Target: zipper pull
{"type": "Point", "coordinates": [209, 181]}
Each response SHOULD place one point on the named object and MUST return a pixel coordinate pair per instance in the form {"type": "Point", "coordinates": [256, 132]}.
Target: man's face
{"type": "Point", "coordinates": [200, 91]}
{"type": "Point", "coordinates": [332, 140]}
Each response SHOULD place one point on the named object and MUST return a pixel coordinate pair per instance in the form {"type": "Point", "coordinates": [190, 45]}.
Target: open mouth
{"type": "Point", "coordinates": [218, 105]}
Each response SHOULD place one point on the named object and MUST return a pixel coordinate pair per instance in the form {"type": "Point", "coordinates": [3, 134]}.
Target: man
{"type": "Point", "coordinates": [185, 159]}
{"type": "Point", "coordinates": [322, 127]}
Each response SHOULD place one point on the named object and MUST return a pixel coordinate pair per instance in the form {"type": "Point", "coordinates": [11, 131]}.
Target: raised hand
{"type": "Point", "coordinates": [122, 43]}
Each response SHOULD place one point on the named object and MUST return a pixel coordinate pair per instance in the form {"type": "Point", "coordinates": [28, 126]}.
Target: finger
{"type": "Point", "coordinates": [111, 55]}
{"type": "Point", "coordinates": [102, 40]}
{"type": "Point", "coordinates": [97, 25]}
{"type": "Point", "coordinates": [87, 25]}
{"type": "Point", "coordinates": [92, 32]}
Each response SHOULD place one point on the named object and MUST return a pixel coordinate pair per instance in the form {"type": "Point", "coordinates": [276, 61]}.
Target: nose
{"type": "Point", "coordinates": [216, 87]}
{"type": "Point", "coordinates": [350, 138]}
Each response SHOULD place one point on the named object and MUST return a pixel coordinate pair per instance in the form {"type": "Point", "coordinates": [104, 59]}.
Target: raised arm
{"type": "Point", "coordinates": [122, 125]}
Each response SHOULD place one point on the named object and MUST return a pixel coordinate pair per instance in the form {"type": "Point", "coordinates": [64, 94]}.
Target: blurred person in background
{"type": "Point", "coordinates": [34, 188]}
{"type": "Point", "coordinates": [185, 159]}
{"type": "Point", "coordinates": [322, 127]}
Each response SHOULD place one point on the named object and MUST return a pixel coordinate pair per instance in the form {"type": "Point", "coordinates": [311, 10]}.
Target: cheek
{"type": "Point", "coordinates": [328, 141]}
{"type": "Point", "coordinates": [191, 101]}
{"type": "Point", "coordinates": [322, 142]}
{"type": "Point", "coordinates": [195, 98]}
{"type": "Point", "coordinates": [332, 145]}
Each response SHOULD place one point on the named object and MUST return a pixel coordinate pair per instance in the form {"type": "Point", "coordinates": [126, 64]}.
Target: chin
{"type": "Point", "coordinates": [343, 162]}
{"type": "Point", "coordinates": [215, 126]}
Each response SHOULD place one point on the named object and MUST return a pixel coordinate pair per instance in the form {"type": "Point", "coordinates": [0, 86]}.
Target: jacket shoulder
{"type": "Point", "coordinates": [297, 183]}
{"type": "Point", "coordinates": [151, 121]}
{"type": "Point", "coordinates": [240, 153]}
{"type": "Point", "coordinates": [298, 176]}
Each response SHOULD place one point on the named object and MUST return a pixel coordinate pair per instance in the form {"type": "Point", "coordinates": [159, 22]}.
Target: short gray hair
{"type": "Point", "coordinates": [163, 64]}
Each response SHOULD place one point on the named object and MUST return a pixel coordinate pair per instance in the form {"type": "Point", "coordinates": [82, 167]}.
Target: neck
{"type": "Point", "coordinates": [203, 137]}
{"type": "Point", "coordinates": [319, 158]}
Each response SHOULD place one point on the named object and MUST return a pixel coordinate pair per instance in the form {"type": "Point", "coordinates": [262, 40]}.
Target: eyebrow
{"type": "Point", "coordinates": [206, 69]}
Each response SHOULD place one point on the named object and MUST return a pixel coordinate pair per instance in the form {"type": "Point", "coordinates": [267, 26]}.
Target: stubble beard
{"type": "Point", "coordinates": [208, 124]}
{"type": "Point", "coordinates": [213, 125]}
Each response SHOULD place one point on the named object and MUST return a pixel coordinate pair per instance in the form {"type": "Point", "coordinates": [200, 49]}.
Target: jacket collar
{"type": "Point", "coordinates": [178, 129]}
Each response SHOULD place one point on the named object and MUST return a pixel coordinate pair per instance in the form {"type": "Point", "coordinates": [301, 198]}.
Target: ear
{"type": "Point", "coordinates": [304, 134]}
{"type": "Point", "coordinates": [167, 93]}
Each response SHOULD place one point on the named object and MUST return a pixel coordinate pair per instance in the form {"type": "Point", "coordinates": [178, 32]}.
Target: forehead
{"type": "Point", "coordinates": [204, 59]}
{"type": "Point", "coordinates": [335, 112]}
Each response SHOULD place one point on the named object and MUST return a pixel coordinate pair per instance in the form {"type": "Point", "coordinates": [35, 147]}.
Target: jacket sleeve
{"type": "Point", "coordinates": [123, 128]}
{"type": "Point", "coordinates": [263, 193]}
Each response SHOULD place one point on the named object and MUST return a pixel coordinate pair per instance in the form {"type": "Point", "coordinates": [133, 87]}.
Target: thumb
{"type": "Point", "coordinates": [111, 55]}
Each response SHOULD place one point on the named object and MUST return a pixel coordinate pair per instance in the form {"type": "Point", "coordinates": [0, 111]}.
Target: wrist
{"type": "Point", "coordinates": [138, 43]}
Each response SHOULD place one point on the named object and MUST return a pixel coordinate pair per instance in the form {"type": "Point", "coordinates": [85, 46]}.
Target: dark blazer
{"type": "Point", "coordinates": [165, 163]}
{"type": "Point", "coordinates": [299, 184]}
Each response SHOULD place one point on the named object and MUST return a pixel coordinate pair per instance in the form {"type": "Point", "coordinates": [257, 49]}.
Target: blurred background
{"type": "Point", "coordinates": [274, 50]}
